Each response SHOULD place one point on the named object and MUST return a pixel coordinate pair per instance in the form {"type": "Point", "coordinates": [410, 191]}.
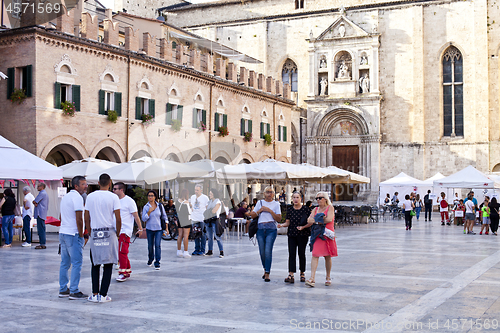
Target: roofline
{"type": "Point", "coordinates": [298, 14]}
{"type": "Point", "coordinates": [36, 29]}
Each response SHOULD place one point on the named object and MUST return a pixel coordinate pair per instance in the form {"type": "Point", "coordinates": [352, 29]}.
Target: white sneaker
{"type": "Point", "coordinates": [94, 298]}
{"type": "Point", "coordinates": [117, 266]}
{"type": "Point", "coordinates": [121, 278]}
{"type": "Point", "coordinates": [25, 244]}
{"type": "Point", "coordinates": [186, 254]}
{"type": "Point", "coordinates": [179, 253]}
{"type": "Point", "coordinates": [104, 299]}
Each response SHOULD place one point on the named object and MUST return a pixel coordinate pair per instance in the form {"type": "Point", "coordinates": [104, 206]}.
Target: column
{"type": "Point", "coordinates": [323, 153]}
{"type": "Point", "coordinates": [312, 75]}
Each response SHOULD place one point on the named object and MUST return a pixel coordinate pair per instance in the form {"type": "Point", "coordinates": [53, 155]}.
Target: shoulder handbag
{"type": "Point", "coordinates": [412, 213]}
{"type": "Point", "coordinates": [162, 218]}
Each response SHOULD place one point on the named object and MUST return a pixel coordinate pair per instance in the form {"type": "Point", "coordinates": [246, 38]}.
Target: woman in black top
{"type": "Point", "coordinates": [296, 215]}
{"type": "Point", "coordinates": [8, 205]}
{"type": "Point", "coordinates": [494, 216]}
{"type": "Point", "coordinates": [184, 223]}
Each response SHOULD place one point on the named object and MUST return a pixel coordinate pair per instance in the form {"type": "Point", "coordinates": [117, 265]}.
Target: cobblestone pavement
{"type": "Point", "coordinates": [386, 279]}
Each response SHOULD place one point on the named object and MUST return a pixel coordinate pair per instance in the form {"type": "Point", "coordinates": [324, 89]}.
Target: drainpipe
{"type": "Point", "coordinates": [209, 122]}
{"type": "Point", "coordinates": [128, 110]}
{"type": "Point", "coordinates": [274, 129]}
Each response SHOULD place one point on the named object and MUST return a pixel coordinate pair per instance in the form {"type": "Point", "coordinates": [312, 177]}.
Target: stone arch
{"type": "Point", "coordinates": [174, 91]}
{"type": "Point", "coordinates": [140, 153]}
{"type": "Point", "coordinates": [65, 61]}
{"type": "Point", "coordinates": [195, 157]}
{"type": "Point", "coordinates": [496, 168]}
{"type": "Point", "coordinates": [221, 159]}
{"type": "Point", "coordinates": [222, 154]}
{"type": "Point", "coordinates": [445, 47]}
{"type": "Point", "coordinates": [247, 157]}
{"type": "Point", "coordinates": [323, 125]}
{"type": "Point", "coordinates": [198, 97]}
{"type": "Point", "coordinates": [264, 157]}
{"type": "Point", "coordinates": [195, 151]}
{"type": "Point", "coordinates": [283, 159]}
{"type": "Point", "coordinates": [111, 149]}
{"type": "Point", "coordinates": [144, 147]}
{"type": "Point", "coordinates": [108, 71]}
{"type": "Point", "coordinates": [220, 102]}
{"type": "Point", "coordinates": [170, 152]}
{"type": "Point", "coordinates": [70, 144]}
{"type": "Point", "coordinates": [289, 73]}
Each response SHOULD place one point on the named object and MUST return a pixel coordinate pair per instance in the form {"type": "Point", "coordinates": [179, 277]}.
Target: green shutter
{"type": "Point", "coordinates": [75, 94]}
{"type": "Point", "coordinates": [179, 113]}
{"type": "Point", "coordinates": [284, 133]}
{"type": "Point", "coordinates": [102, 98]}
{"type": "Point", "coordinates": [168, 115]}
{"type": "Point", "coordinates": [261, 130]}
{"type": "Point", "coordinates": [152, 107]}
{"type": "Point", "coordinates": [195, 119]}
{"type": "Point", "coordinates": [138, 113]}
{"type": "Point", "coordinates": [11, 73]}
{"type": "Point", "coordinates": [242, 128]}
{"type": "Point", "coordinates": [29, 81]}
{"type": "Point", "coordinates": [57, 95]}
{"type": "Point", "coordinates": [118, 103]}
{"type": "Point", "coordinates": [279, 133]}
{"type": "Point", "coordinates": [268, 129]}
{"type": "Point", "coordinates": [216, 121]}
{"type": "Point", "coordinates": [224, 120]}
{"type": "Point", "coordinates": [250, 126]}
{"type": "Point", "coordinates": [204, 117]}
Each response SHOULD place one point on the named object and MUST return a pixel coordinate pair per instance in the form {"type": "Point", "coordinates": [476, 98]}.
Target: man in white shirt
{"type": "Point", "coordinates": [100, 208]}
{"type": "Point", "coordinates": [199, 202]}
{"type": "Point", "coordinates": [128, 213]}
{"type": "Point", "coordinates": [28, 209]}
{"type": "Point", "coordinates": [71, 239]}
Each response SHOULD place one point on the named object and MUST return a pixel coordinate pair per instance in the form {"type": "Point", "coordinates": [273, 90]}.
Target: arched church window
{"type": "Point", "coordinates": [453, 104]}
{"type": "Point", "coordinates": [289, 74]}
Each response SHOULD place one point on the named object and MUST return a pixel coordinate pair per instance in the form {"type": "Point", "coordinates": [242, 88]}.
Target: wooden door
{"type": "Point", "coordinates": [347, 158]}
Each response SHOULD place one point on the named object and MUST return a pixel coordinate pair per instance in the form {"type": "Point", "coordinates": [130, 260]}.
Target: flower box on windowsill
{"type": "Point", "coordinates": [147, 120]}
{"type": "Point", "coordinates": [18, 96]}
{"type": "Point", "coordinates": [202, 127]}
{"type": "Point", "coordinates": [247, 137]}
{"type": "Point", "coordinates": [68, 108]}
{"type": "Point", "coordinates": [176, 125]}
{"type": "Point", "coordinates": [223, 131]}
{"type": "Point", "coordinates": [268, 140]}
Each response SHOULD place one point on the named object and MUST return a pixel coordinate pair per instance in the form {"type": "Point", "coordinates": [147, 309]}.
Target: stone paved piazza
{"type": "Point", "coordinates": [384, 275]}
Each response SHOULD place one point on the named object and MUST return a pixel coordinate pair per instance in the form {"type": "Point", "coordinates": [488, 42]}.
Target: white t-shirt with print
{"type": "Point", "coordinates": [199, 204]}
{"type": "Point", "coordinates": [101, 206]}
{"type": "Point", "coordinates": [127, 208]}
{"type": "Point", "coordinates": [469, 207]}
{"type": "Point", "coordinates": [72, 202]}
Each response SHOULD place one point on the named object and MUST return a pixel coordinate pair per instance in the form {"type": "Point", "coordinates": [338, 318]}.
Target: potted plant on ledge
{"type": "Point", "coordinates": [68, 108]}
{"type": "Point", "coordinates": [112, 116]}
{"type": "Point", "coordinates": [147, 120]}
{"type": "Point", "coordinates": [268, 139]}
{"type": "Point", "coordinates": [18, 96]}
{"type": "Point", "coordinates": [176, 125]}
{"type": "Point", "coordinates": [202, 127]}
{"type": "Point", "coordinates": [247, 137]}
{"type": "Point", "coordinates": [223, 131]}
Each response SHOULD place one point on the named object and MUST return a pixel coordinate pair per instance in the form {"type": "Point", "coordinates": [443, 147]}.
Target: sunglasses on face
{"type": "Point", "coordinates": [319, 198]}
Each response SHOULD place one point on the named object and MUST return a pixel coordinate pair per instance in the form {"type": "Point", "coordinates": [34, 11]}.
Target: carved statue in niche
{"type": "Point", "coordinates": [364, 84]}
{"type": "Point", "coordinates": [364, 60]}
{"type": "Point", "coordinates": [323, 83]}
{"type": "Point", "coordinates": [322, 62]}
{"type": "Point", "coordinates": [342, 30]}
{"type": "Point", "coordinates": [343, 72]}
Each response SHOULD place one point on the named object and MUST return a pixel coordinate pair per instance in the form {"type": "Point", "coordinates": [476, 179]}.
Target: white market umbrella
{"type": "Point", "coordinates": [469, 177]}
{"type": "Point", "coordinates": [207, 167]}
{"type": "Point", "coordinates": [17, 163]}
{"type": "Point", "coordinates": [341, 176]}
{"type": "Point", "coordinates": [85, 167]}
{"type": "Point", "coordinates": [167, 170]}
{"type": "Point", "coordinates": [128, 173]}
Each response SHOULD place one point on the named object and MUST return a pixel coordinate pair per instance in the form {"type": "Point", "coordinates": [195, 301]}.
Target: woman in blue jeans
{"type": "Point", "coordinates": [8, 206]}
{"type": "Point", "coordinates": [269, 213]}
{"type": "Point", "coordinates": [151, 214]}
{"type": "Point", "coordinates": [214, 209]}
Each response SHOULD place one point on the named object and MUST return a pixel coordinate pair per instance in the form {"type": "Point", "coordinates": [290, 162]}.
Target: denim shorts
{"type": "Point", "coordinates": [470, 216]}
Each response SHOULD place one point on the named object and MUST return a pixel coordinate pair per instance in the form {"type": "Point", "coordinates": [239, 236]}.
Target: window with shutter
{"type": "Point", "coordinates": [118, 103]}
{"type": "Point", "coordinates": [152, 107]}
{"type": "Point", "coordinates": [216, 121]}
{"type": "Point", "coordinates": [168, 114]}
{"type": "Point", "coordinates": [242, 127]}
{"type": "Point", "coordinates": [57, 95]}
{"type": "Point", "coordinates": [138, 108]}
{"type": "Point", "coordinates": [284, 133]}
{"type": "Point", "coordinates": [102, 99]}
{"type": "Point", "coordinates": [11, 73]}
{"type": "Point", "coordinates": [75, 95]}
{"type": "Point", "coordinates": [179, 112]}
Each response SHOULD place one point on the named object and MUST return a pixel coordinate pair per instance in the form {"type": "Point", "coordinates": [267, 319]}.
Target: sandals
{"type": "Point", "coordinates": [310, 283]}
{"type": "Point", "coordinates": [302, 277]}
{"type": "Point", "coordinates": [290, 279]}
{"type": "Point", "coordinates": [328, 282]}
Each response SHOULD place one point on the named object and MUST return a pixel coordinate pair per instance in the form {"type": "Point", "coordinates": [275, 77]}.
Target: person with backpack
{"type": "Point", "coordinates": [184, 223]}
{"type": "Point", "coordinates": [212, 214]}
{"type": "Point", "coordinates": [428, 206]}
{"type": "Point", "coordinates": [418, 206]}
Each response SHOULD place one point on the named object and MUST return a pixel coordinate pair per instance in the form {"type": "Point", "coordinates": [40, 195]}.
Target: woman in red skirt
{"type": "Point", "coordinates": [321, 218]}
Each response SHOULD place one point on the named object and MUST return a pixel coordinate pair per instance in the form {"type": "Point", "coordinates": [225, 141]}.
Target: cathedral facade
{"type": "Point", "coordinates": [386, 86]}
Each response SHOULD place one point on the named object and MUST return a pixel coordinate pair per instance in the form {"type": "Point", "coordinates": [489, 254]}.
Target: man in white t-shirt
{"type": "Point", "coordinates": [128, 213]}
{"type": "Point", "coordinates": [28, 209]}
{"type": "Point", "coordinates": [71, 239]}
{"type": "Point", "coordinates": [100, 208]}
{"type": "Point", "coordinates": [199, 202]}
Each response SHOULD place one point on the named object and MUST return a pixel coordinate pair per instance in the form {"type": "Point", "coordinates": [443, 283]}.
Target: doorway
{"type": "Point", "coordinates": [347, 158]}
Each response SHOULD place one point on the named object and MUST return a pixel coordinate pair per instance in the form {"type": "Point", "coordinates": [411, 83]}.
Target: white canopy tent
{"type": "Point", "coordinates": [403, 184]}
{"type": "Point", "coordinates": [17, 163]}
{"type": "Point", "coordinates": [469, 177]}
{"type": "Point", "coordinates": [429, 185]}
{"type": "Point", "coordinates": [85, 167]}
